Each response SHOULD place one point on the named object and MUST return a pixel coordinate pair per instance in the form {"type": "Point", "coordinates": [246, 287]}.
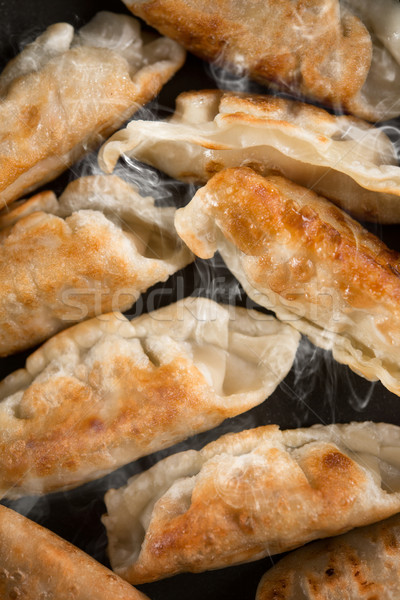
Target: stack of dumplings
{"type": "Point", "coordinates": [276, 184]}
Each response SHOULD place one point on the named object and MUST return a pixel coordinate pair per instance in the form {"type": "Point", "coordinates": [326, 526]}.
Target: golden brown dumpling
{"type": "Point", "coordinates": [302, 257]}
{"type": "Point", "coordinates": [65, 93]}
{"type": "Point", "coordinates": [93, 251]}
{"type": "Point", "coordinates": [107, 391]}
{"type": "Point", "coordinates": [343, 158]}
{"type": "Point", "coordinates": [363, 564]}
{"type": "Point", "coordinates": [251, 494]}
{"type": "Point", "coordinates": [36, 564]}
{"type": "Point", "coordinates": [318, 49]}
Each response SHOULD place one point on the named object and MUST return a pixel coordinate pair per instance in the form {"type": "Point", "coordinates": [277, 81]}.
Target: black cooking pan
{"type": "Point", "coordinates": [317, 390]}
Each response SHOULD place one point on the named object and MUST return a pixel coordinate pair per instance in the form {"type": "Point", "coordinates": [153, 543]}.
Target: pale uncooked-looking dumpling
{"type": "Point", "coordinates": [107, 391]}
{"type": "Point", "coordinates": [345, 159]}
{"type": "Point", "coordinates": [93, 251]}
{"type": "Point", "coordinates": [302, 257]}
{"type": "Point", "coordinates": [336, 52]}
{"type": "Point", "coordinates": [66, 92]}
{"type": "Point", "coordinates": [250, 494]}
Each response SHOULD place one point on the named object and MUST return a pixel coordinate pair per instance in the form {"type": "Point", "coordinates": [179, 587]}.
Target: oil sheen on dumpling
{"type": "Point", "coordinates": [302, 257]}
{"type": "Point", "coordinates": [322, 50]}
{"type": "Point", "coordinates": [250, 494]}
{"type": "Point", "coordinates": [66, 92]}
{"type": "Point", "coordinates": [107, 391]}
{"type": "Point", "coordinates": [92, 251]}
{"type": "Point", "coordinates": [345, 159]}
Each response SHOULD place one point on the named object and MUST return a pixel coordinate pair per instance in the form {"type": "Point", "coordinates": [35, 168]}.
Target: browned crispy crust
{"type": "Point", "coordinates": [67, 269]}
{"type": "Point", "coordinates": [315, 48]}
{"type": "Point", "coordinates": [251, 494]}
{"type": "Point", "coordinates": [38, 133]}
{"type": "Point", "coordinates": [108, 391]}
{"type": "Point", "coordinates": [50, 117]}
{"type": "Point", "coordinates": [362, 564]}
{"type": "Point", "coordinates": [252, 210]}
{"type": "Point", "coordinates": [317, 262]}
{"type": "Point", "coordinates": [36, 564]}
{"type": "Point", "coordinates": [81, 436]}
{"type": "Point", "coordinates": [213, 534]}
{"type": "Point", "coordinates": [80, 257]}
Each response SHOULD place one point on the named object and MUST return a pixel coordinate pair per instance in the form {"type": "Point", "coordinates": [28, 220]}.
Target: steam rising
{"type": "Point", "coordinates": [316, 380]}
{"type": "Point", "coordinates": [235, 79]}
{"type": "Point", "coordinates": [317, 374]}
{"type": "Point", "coordinates": [146, 179]}
{"type": "Point", "coordinates": [393, 132]}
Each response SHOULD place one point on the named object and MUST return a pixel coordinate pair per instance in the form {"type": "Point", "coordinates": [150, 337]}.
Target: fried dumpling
{"type": "Point", "coordinates": [343, 158]}
{"type": "Point", "coordinates": [65, 93]}
{"type": "Point", "coordinates": [317, 49]}
{"type": "Point", "coordinates": [360, 565]}
{"type": "Point", "coordinates": [36, 564]}
{"type": "Point", "coordinates": [93, 251]}
{"type": "Point", "coordinates": [302, 257]}
{"type": "Point", "coordinates": [107, 391]}
{"type": "Point", "coordinates": [382, 20]}
{"type": "Point", "coordinates": [251, 494]}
